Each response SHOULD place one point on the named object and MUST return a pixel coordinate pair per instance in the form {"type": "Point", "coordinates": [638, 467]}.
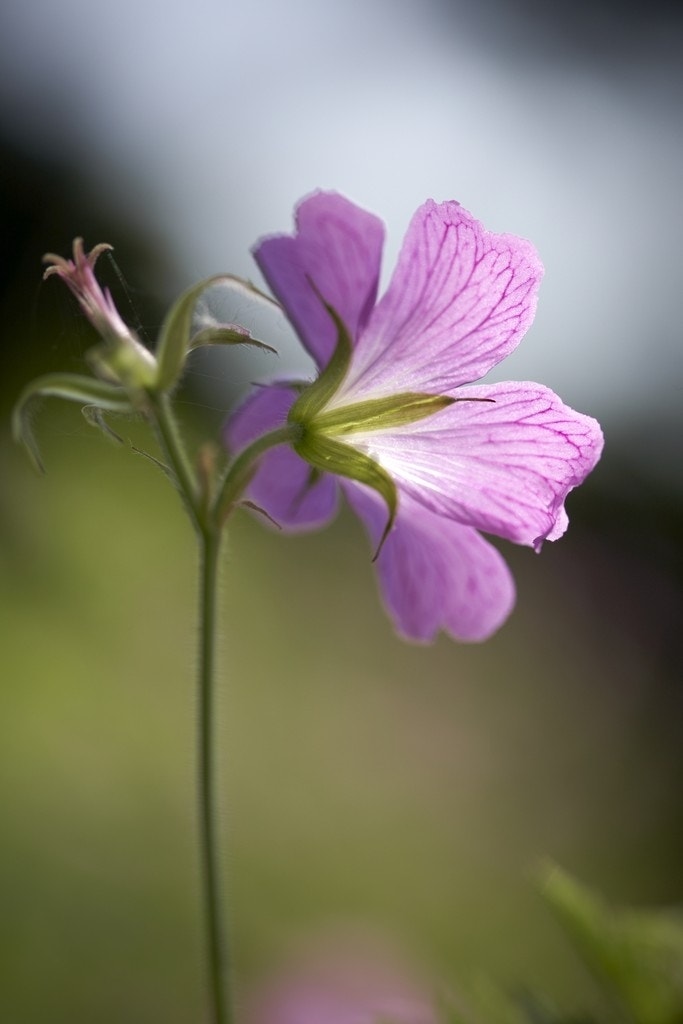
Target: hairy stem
{"type": "Point", "coordinates": [166, 427]}
{"type": "Point", "coordinates": [208, 519]}
{"type": "Point", "coordinates": [209, 541]}
{"type": "Point", "coordinates": [218, 960]}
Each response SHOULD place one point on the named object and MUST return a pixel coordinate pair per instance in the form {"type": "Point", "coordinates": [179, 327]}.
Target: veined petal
{"type": "Point", "coordinates": [459, 301]}
{"type": "Point", "coordinates": [436, 574]}
{"type": "Point", "coordinates": [286, 487]}
{"type": "Point", "coordinates": [504, 466]}
{"type": "Point", "coordinates": [337, 247]}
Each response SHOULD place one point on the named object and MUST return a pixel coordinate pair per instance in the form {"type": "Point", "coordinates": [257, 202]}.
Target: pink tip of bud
{"type": "Point", "coordinates": [78, 274]}
{"type": "Point", "coordinates": [81, 262]}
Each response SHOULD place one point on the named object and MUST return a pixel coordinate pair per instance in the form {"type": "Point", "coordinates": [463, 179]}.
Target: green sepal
{"type": "Point", "coordinates": [636, 953]}
{"type": "Point", "coordinates": [228, 336]}
{"type": "Point", "coordinates": [176, 336]}
{"type": "Point", "coordinates": [330, 456]}
{"type": "Point", "coordinates": [126, 362]}
{"type": "Point", "coordinates": [381, 413]}
{"type": "Point", "coordinates": [74, 388]}
{"type": "Point", "coordinates": [317, 395]}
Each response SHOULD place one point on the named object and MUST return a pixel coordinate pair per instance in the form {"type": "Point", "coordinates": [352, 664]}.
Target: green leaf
{"type": "Point", "coordinates": [177, 337]}
{"type": "Point", "coordinates": [481, 1001]}
{"type": "Point", "coordinates": [331, 456]}
{"type": "Point", "coordinates": [638, 954]}
{"type": "Point", "coordinates": [314, 399]}
{"type": "Point", "coordinates": [74, 388]}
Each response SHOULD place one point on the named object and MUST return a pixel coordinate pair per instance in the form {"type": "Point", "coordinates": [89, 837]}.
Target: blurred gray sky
{"type": "Point", "coordinates": [206, 121]}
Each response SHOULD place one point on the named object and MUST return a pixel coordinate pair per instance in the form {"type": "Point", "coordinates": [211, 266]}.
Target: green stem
{"type": "Point", "coordinates": [169, 438]}
{"type": "Point", "coordinates": [209, 539]}
{"type": "Point", "coordinates": [208, 523]}
{"type": "Point", "coordinates": [218, 960]}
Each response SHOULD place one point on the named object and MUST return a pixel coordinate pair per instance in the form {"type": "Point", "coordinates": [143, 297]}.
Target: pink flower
{"type": "Point", "coordinates": [122, 359]}
{"type": "Point", "coordinates": [497, 458]}
{"type": "Point", "coordinates": [79, 275]}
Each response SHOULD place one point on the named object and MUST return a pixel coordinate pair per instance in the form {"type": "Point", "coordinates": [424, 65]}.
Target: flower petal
{"type": "Point", "coordinates": [284, 485]}
{"type": "Point", "coordinates": [459, 301]}
{"type": "Point", "coordinates": [337, 250]}
{"type": "Point", "coordinates": [435, 573]}
{"type": "Point", "coordinates": [504, 466]}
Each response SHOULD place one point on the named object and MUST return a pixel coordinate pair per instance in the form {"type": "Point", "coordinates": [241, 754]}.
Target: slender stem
{"type": "Point", "coordinates": [209, 539]}
{"type": "Point", "coordinates": [208, 520]}
{"type": "Point", "coordinates": [218, 961]}
{"type": "Point", "coordinates": [172, 446]}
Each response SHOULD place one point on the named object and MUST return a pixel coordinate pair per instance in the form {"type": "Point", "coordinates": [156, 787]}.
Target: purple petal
{"type": "Point", "coordinates": [505, 467]}
{"type": "Point", "coordinates": [282, 485]}
{"type": "Point", "coordinates": [434, 573]}
{"type": "Point", "coordinates": [338, 247]}
{"type": "Point", "coordinates": [460, 300]}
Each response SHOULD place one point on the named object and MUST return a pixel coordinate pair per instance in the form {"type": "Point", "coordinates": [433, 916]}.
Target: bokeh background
{"type": "Point", "coordinates": [366, 783]}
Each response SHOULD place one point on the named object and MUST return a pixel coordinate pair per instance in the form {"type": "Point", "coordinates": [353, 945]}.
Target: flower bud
{"type": "Point", "coordinates": [121, 358]}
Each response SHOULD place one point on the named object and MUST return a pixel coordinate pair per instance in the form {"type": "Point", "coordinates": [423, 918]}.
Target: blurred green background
{"type": "Point", "coordinates": [364, 781]}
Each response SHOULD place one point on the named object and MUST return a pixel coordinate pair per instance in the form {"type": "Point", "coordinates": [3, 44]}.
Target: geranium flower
{"type": "Point", "coordinates": [395, 419]}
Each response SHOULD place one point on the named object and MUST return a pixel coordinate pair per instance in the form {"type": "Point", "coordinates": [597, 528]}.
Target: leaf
{"type": "Point", "coordinates": [636, 953]}
{"type": "Point", "coordinates": [483, 1002]}
{"type": "Point", "coordinates": [178, 336]}
{"type": "Point", "coordinates": [74, 388]}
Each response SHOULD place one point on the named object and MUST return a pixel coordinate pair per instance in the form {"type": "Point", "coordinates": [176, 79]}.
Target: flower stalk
{"type": "Point", "coordinates": [208, 519]}
{"type": "Point", "coordinates": [209, 544]}
{"type": "Point", "coordinates": [218, 957]}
